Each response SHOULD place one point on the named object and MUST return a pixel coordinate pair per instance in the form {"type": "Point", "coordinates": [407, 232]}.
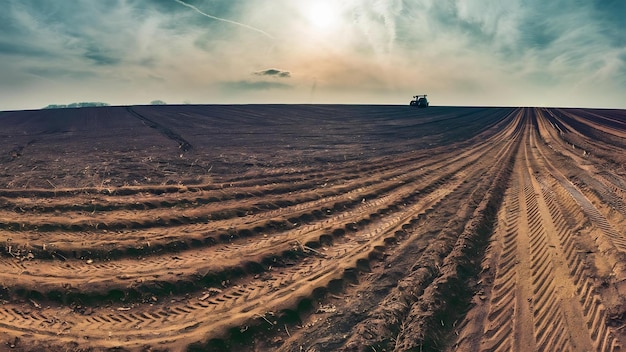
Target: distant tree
{"type": "Point", "coordinates": [158, 102]}
{"type": "Point", "coordinates": [86, 104]}
{"type": "Point", "coordinates": [55, 106]}
{"type": "Point", "coordinates": [76, 105]}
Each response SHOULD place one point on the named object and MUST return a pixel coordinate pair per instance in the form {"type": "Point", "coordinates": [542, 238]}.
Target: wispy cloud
{"type": "Point", "coordinates": [253, 85]}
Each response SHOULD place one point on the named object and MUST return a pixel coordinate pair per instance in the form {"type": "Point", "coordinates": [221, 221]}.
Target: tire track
{"type": "Point", "coordinates": [541, 296]}
{"type": "Point", "coordinates": [592, 308]}
{"type": "Point", "coordinates": [500, 333]}
{"type": "Point", "coordinates": [589, 302]}
{"type": "Point", "coordinates": [599, 220]}
{"type": "Point", "coordinates": [550, 326]}
{"type": "Point", "coordinates": [183, 144]}
{"type": "Point", "coordinates": [603, 183]}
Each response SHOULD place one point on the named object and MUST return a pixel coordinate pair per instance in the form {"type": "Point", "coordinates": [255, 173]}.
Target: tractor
{"type": "Point", "coordinates": [420, 101]}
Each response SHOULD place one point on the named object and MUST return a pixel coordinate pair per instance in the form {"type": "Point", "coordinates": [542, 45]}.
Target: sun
{"type": "Point", "coordinates": [322, 16]}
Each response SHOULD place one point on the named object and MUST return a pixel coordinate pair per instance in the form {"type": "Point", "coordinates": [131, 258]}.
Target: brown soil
{"type": "Point", "coordinates": [313, 228]}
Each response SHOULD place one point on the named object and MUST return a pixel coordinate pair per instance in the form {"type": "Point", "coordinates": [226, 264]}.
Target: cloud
{"type": "Point", "coordinates": [100, 57]}
{"type": "Point", "coordinates": [253, 85]}
{"type": "Point", "coordinates": [273, 72]}
{"type": "Point", "coordinates": [22, 49]}
{"type": "Point", "coordinates": [59, 72]}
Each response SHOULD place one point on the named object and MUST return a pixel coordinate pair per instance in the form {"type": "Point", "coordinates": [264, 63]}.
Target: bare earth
{"type": "Point", "coordinates": [313, 228]}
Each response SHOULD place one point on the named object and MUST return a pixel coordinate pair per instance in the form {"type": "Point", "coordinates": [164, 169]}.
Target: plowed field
{"type": "Point", "coordinates": [313, 228]}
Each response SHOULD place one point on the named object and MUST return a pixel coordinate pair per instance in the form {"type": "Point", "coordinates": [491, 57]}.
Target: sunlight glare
{"type": "Point", "coordinates": [322, 15]}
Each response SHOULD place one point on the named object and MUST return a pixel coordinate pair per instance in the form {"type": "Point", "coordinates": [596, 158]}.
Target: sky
{"type": "Point", "coordinates": [569, 53]}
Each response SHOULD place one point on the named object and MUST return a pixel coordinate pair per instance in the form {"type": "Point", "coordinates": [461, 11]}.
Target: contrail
{"type": "Point", "coordinates": [223, 19]}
